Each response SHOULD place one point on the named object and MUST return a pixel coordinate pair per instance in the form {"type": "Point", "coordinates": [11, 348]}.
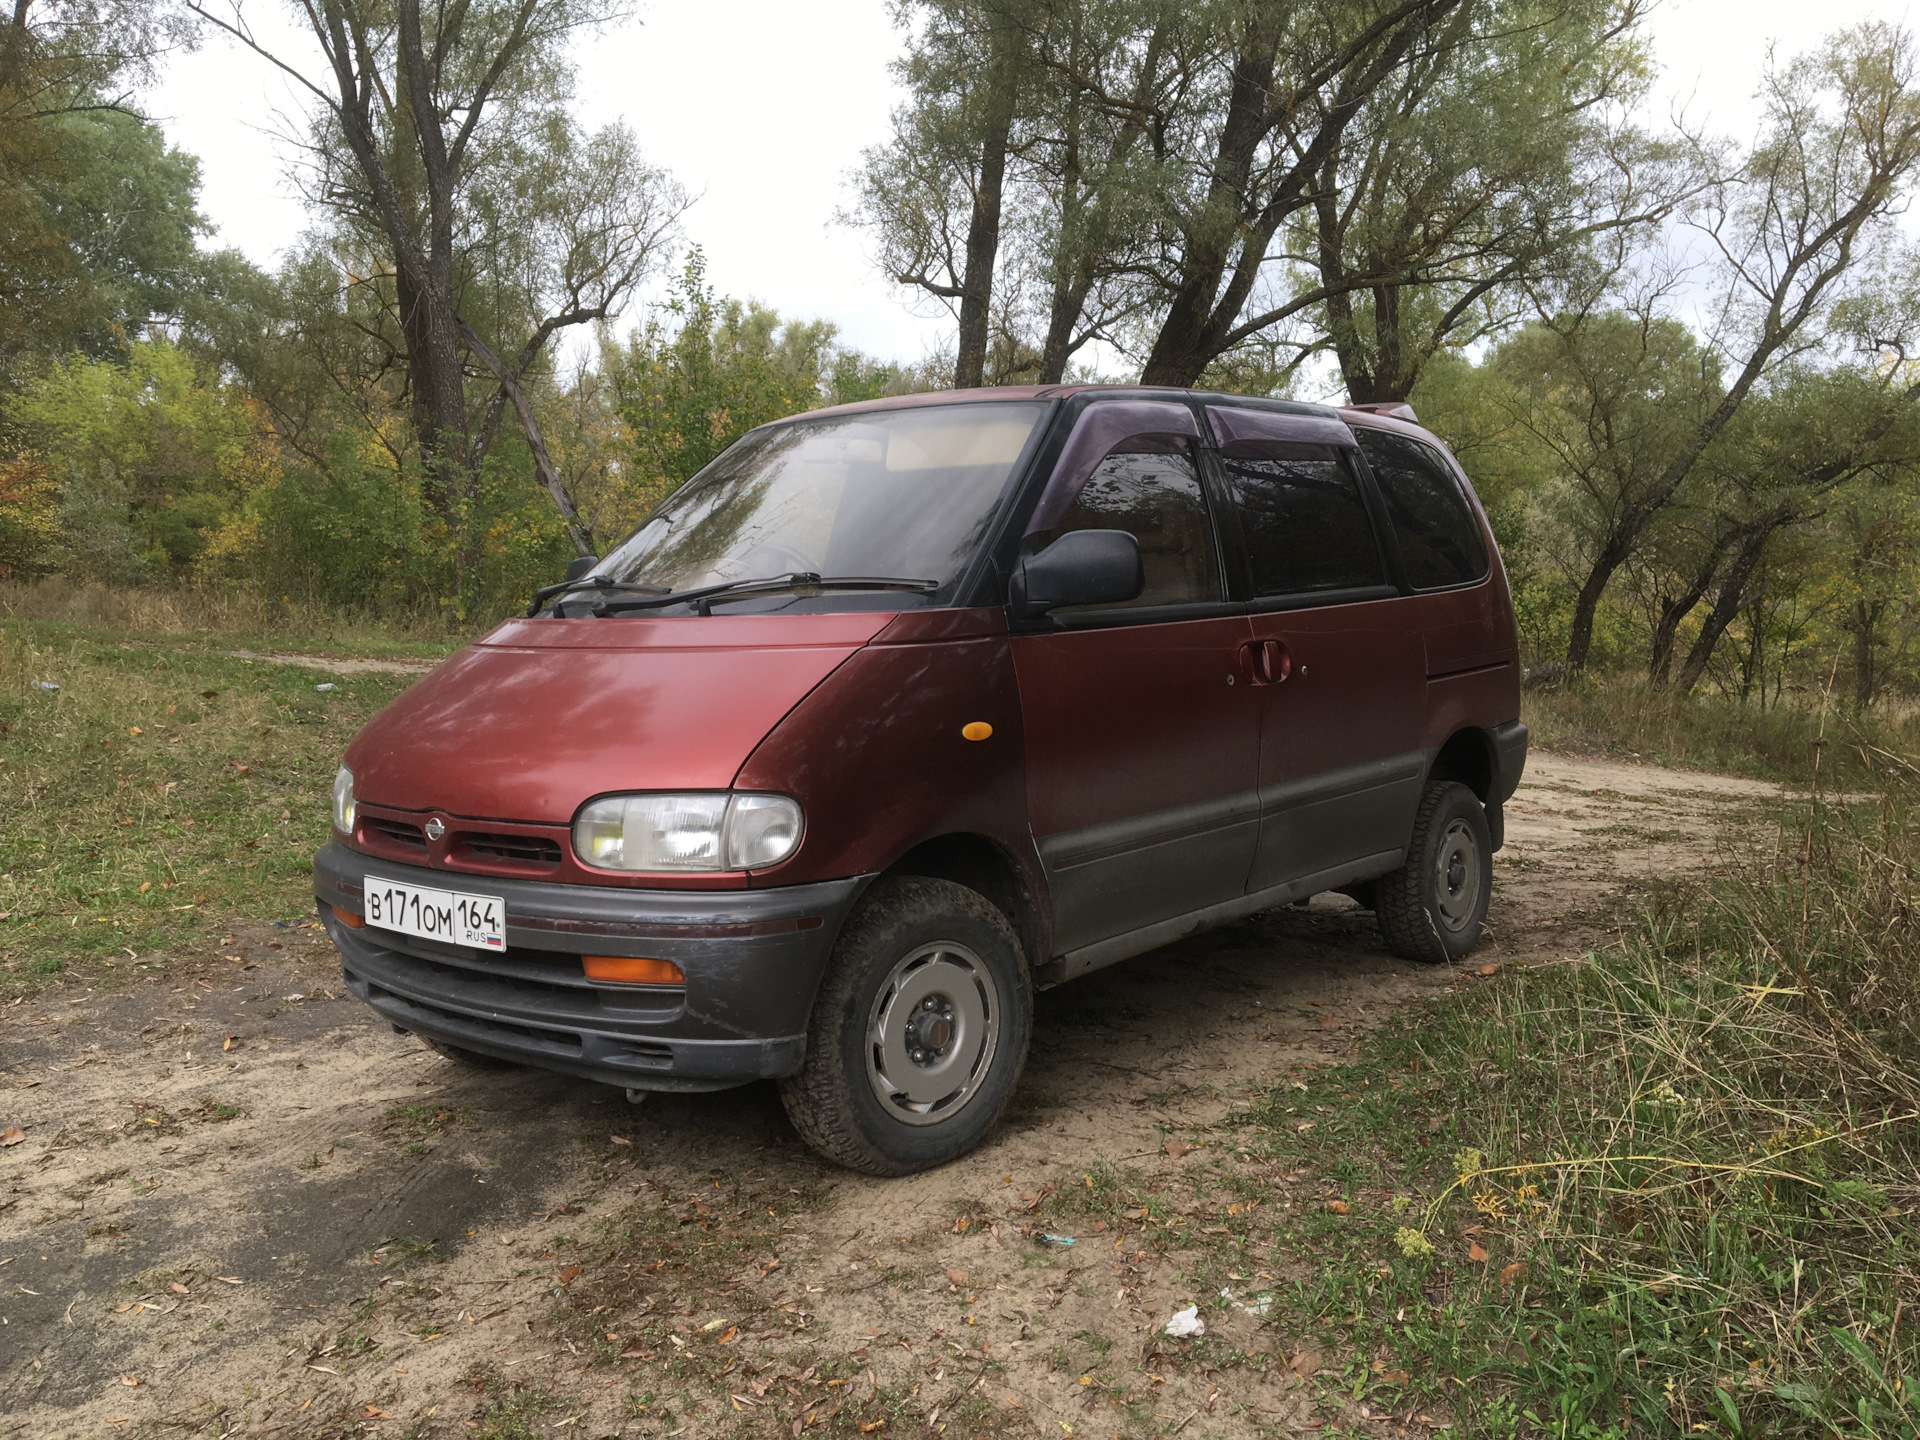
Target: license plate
{"type": "Point", "coordinates": [447, 915]}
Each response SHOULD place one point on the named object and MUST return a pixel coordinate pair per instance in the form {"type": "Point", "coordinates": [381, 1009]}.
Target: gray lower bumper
{"type": "Point", "coordinates": [753, 960]}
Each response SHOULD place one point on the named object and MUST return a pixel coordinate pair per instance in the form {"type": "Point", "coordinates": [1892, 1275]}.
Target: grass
{"type": "Point", "coordinates": [161, 793]}
{"type": "Point", "coordinates": [1670, 1189]}
{"type": "Point", "coordinates": [1626, 717]}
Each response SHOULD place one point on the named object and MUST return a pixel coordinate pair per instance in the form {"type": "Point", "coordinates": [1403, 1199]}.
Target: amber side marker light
{"type": "Point", "coordinates": [977, 730]}
{"type": "Point", "coordinates": [349, 919]}
{"type": "Point", "coordinates": [633, 971]}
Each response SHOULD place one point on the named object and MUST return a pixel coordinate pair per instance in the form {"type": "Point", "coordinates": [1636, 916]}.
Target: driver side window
{"type": "Point", "coordinates": [1155, 495]}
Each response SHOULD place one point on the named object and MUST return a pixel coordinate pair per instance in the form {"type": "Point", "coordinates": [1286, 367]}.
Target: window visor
{"type": "Point", "coordinates": [1243, 432]}
{"type": "Point", "coordinates": [1099, 432]}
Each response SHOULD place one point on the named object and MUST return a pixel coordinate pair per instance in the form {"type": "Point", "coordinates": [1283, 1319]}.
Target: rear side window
{"type": "Point", "coordinates": [1306, 525]}
{"type": "Point", "coordinates": [1154, 494]}
{"type": "Point", "coordinates": [1440, 541]}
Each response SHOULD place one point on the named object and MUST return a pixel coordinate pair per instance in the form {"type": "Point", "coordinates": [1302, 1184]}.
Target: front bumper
{"type": "Point", "coordinates": [753, 960]}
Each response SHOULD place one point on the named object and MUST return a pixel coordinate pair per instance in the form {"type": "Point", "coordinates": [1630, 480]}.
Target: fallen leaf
{"type": "Point", "coordinates": [12, 1135]}
{"type": "Point", "coordinates": [1475, 1253]}
{"type": "Point", "coordinates": [619, 1139]}
{"type": "Point", "coordinates": [1511, 1273]}
{"type": "Point", "coordinates": [229, 1279]}
{"type": "Point", "coordinates": [208, 694]}
{"type": "Point", "coordinates": [376, 1410]}
{"type": "Point", "coordinates": [1434, 1122]}
{"type": "Point", "coordinates": [727, 1339]}
{"type": "Point", "coordinates": [958, 1277]}
{"type": "Point", "coordinates": [129, 1380]}
{"type": "Point", "coordinates": [241, 769]}
{"type": "Point", "coordinates": [177, 1288]}
{"type": "Point", "coordinates": [1305, 1363]}
{"type": "Point", "coordinates": [871, 1426]}
{"type": "Point", "coordinates": [1176, 1147]}
{"type": "Point", "coordinates": [1487, 970]}
{"type": "Point", "coordinates": [133, 730]}
{"type": "Point", "coordinates": [1329, 1023]}
{"type": "Point", "coordinates": [229, 1044]}
{"type": "Point", "coordinates": [570, 1274]}
{"type": "Point", "coordinates": [1339, 1207]}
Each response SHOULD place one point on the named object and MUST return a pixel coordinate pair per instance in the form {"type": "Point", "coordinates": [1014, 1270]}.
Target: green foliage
{"type": "Point", "coordinates": [97, 236]}
{"type": "Point", "coordinates": [705, 370]}
{"type": "Point", "coordinates": [148, 456]}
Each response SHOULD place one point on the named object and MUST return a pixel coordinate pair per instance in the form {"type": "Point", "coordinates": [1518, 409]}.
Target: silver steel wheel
{"type": "Point", "coordinates": [932, 1033]}
{"type": "Point", "coordinates": [1456, 877]}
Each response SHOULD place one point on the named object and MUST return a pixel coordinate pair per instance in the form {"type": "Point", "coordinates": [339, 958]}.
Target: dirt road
{"type": "Point", "coordinates": [242, 1206]}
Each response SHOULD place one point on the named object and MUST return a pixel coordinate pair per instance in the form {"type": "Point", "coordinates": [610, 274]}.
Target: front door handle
{"type": "Point", "coordinates": [1266, 662]}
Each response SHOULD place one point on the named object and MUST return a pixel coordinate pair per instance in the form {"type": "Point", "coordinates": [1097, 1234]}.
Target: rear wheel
{"type": "Point", "coordinates": [1434, 907]}
{"type": "Point", "coordinates": [919, 1032]}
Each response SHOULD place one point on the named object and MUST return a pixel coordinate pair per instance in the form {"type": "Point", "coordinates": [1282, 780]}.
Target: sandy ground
{"type": "Point", "coordinates": [242, 1206]}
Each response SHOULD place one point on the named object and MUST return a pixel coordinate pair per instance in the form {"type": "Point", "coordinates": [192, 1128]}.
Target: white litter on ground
{"type": "Point", "coordinates": [1186, 1322]}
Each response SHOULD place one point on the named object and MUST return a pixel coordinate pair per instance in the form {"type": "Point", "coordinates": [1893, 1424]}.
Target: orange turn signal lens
{"type": "Point", "coordinates": [349, 919]}
{"type": "Point", "coordinates": [977, 730]}
{"type": "Point", "coordinates": [632, 971]}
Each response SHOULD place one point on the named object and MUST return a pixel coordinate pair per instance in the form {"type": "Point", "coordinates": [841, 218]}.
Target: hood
{"type": "Point", "coordinates": [544, 714]}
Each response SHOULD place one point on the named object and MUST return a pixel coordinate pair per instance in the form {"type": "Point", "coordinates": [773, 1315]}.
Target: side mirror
{"type": "Point", "coordinates": [580, 565]}
{"type": "Point", "coordinates": [1082, 567]}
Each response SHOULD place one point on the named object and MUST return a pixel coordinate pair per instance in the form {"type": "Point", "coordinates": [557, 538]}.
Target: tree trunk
{"type": "Point", "coordinates": [983, 249]}
{"type": "Point", "coordinates": [1864, 681]}
{"type": "Point", "coordinates": [1728, 603]}
{"type": "Point", "coordinates": [1069, 303]}
{"type": "Point", "coordinates": [1181, 350]}
{"type": "Point", "coordinates": [1580, 638]}
{"type": "Point", "coordinates": [1674, 613]}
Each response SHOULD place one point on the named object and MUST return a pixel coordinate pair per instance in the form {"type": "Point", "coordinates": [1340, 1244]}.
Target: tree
{"type": "Point", "coordinates": [935, 193]}
{"type": "Point", "coordinates": [1786, 234]}
{"type": "Point", "coordinates": [442, 150]}
{"type": "Point", "coordinates": [704, 370]}
{"type": "Point", "coordinates": [148, 453]}
{"type": "Point", "coordinates": [1609, 396]}
{"type": "Point", "coordinates": [1486, 168]}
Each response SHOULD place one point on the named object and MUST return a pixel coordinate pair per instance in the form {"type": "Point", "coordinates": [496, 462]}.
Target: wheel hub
{"type": "Point", "coordinates": [1457, 873]}
{"type": "Point", "coordinates": [930, 1030]}
{"type": "Point", "coordinates": [932, 1033]}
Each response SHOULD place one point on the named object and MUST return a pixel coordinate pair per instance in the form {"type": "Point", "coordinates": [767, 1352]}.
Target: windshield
{"type": "Point", "coordinates": [901, 494]}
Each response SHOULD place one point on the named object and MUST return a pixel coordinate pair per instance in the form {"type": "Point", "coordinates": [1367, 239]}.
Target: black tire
{"type": "Point", "coordinates": [470, 1059]}
{"type": "Point", "coordinates": [926, 988]}
{"type": "Point", "coordinates": [1433, 908]}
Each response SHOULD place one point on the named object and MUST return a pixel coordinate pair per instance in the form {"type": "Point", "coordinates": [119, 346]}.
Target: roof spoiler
{"type": "Point", "coordinates": [1393, 409]}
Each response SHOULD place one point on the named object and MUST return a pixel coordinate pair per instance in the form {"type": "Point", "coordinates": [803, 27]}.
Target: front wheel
{"type": "Point", "coordinates": [1434, 907]}
{"type": "Point", "coordinates": [919, 1032]}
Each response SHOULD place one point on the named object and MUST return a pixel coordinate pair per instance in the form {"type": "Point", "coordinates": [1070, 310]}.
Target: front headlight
{"type": "Point", "coordinates": [343, 801]}
{"type": "Point", "coordinates": [687, 832]}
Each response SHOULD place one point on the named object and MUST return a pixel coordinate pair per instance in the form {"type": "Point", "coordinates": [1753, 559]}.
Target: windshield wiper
{"type": "Point", "coordinates": [590, 582]}
{"type": "Point", "coordinates": [703, 598]}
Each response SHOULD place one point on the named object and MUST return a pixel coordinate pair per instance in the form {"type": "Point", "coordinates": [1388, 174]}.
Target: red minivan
{"type": "Point", "coordinates": [900, 711]}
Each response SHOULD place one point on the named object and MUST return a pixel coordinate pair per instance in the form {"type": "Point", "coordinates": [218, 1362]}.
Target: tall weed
{"type": "Point", "coordinates": [1669, 1188]}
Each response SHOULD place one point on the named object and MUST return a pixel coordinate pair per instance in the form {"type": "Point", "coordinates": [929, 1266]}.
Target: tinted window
{"type": "Point", "coordinates": [1439, 539]}
{"type": "Point", "coordinates": [1306, 525]}
{"type": "Point", "coordinates": [1156, 497]}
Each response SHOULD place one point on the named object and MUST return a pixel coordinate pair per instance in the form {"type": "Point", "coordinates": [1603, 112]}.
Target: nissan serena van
{"type": "Point", "coordinates": [898, 712]}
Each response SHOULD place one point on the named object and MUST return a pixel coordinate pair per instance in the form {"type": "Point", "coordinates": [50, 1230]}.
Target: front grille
{"type": "Point", "coordinates": [510, 849]}
{"type": "Point", "coordinates": [394, 832]}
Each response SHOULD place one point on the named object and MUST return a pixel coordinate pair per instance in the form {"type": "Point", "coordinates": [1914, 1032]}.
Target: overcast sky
{"type": "Point", "coordinates": [760, 107]}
